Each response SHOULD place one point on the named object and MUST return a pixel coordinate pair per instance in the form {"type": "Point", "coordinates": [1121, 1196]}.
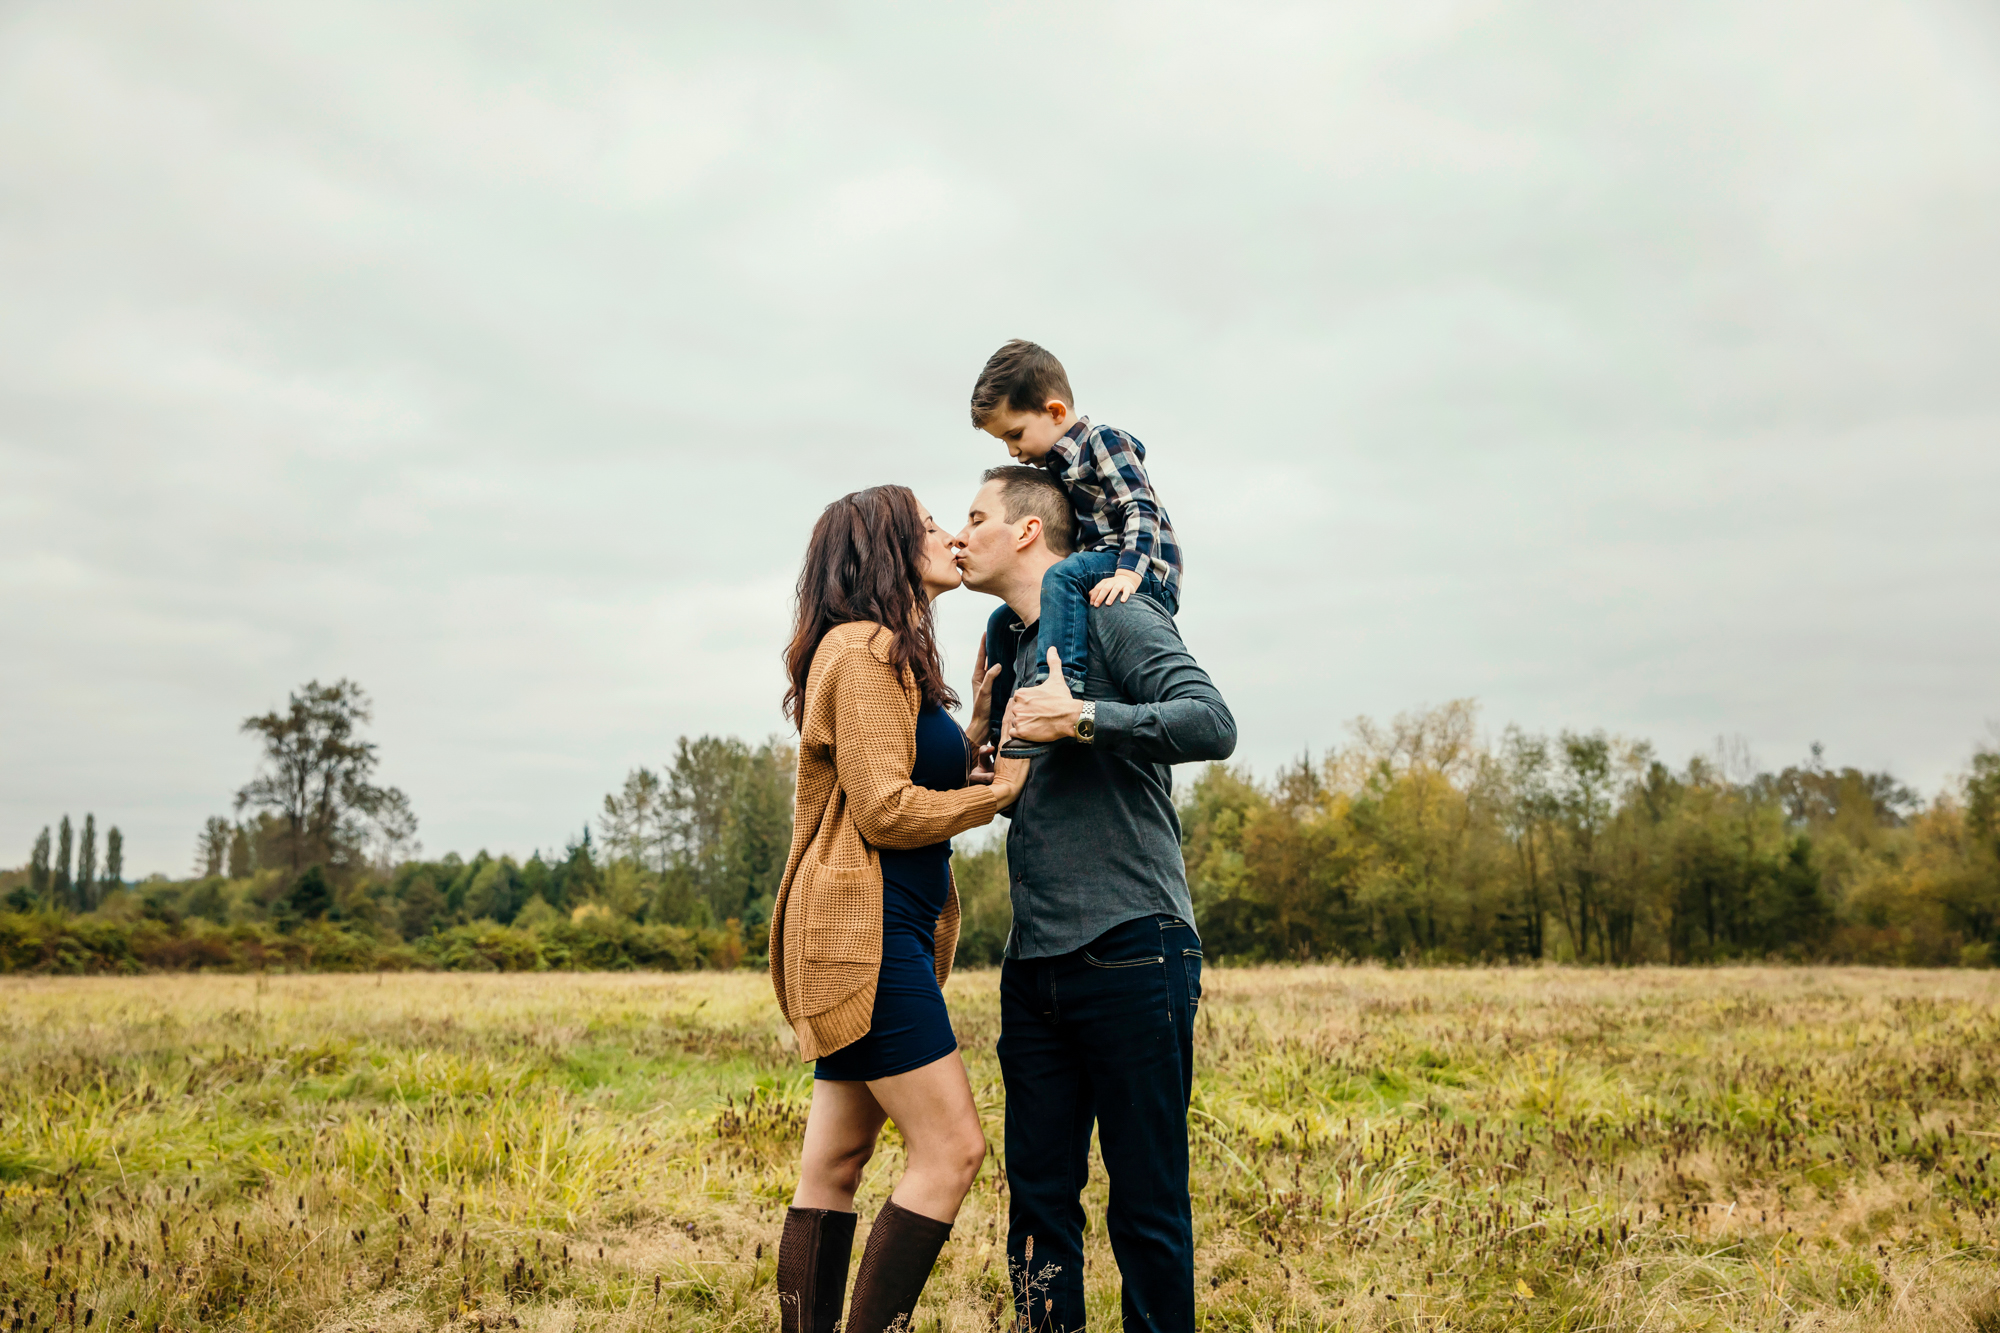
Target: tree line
{"type": "Point", "coordinates": [698, 844]}
{"type": "Point", "coordinates": [1418, 841]}
{"type": "Point", "coordinates": [318, 865]}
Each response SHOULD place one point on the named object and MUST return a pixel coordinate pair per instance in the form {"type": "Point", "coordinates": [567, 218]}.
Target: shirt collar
{"type": "Point", "coordinates": [1069, 445]}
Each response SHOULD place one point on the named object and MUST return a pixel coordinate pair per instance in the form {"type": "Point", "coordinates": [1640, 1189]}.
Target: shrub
{"type": "Point", "coordinates": [50, 942]}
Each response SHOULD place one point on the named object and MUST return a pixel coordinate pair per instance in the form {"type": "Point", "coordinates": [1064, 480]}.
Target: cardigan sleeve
{"type": "Point", "coordinates": [874, 749]}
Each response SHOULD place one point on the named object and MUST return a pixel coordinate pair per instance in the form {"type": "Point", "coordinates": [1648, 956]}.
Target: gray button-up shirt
{"type": "Point", "coordinates": [1094, 840]}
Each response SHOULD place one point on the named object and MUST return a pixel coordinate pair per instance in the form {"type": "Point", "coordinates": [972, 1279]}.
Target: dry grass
{"type": "Point", "coordinates": [1574, 1150]}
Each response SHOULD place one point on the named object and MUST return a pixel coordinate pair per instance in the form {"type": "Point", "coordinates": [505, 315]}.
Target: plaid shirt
{"type": "Point", "coordinates": [1104, 471]}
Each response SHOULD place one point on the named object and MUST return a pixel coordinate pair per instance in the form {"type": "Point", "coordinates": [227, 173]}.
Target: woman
{"type": "Point", "coordinates": [866, 917]}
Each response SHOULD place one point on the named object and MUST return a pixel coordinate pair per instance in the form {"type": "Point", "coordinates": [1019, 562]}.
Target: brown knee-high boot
{"type": "Point", "coordinates": [902, 1248]}
{"type": "Point", "coordinates": [812, 1268]}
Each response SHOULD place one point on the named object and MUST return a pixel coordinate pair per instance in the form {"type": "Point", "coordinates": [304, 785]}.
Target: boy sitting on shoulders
{"type": "Point", "coordinates": [1125, 543]}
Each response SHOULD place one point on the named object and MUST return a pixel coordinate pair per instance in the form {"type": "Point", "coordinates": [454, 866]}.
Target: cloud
{"type": "Point", "coordinates": [1627, 367]}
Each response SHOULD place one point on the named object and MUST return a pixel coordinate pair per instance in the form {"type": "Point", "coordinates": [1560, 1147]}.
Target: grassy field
{"type": "Point", "coordinates": [1548, 1149]}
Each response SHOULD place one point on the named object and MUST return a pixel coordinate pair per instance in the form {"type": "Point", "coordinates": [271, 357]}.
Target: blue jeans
{"type": "Point", "coordinates": [1064, 625]}
{"type": "Point", "coordinates": [1103, 1036]}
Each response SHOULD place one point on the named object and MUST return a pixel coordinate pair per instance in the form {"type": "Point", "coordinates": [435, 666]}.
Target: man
{"type": "Point", "coordinates": [1103, 968]}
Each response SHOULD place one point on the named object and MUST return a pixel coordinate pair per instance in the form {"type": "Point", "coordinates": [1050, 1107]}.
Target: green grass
{"type": "Point", "coordinates": [1479, 1149]}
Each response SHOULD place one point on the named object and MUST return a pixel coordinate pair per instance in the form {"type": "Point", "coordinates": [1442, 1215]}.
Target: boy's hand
{"type": "Point", "coordinates": [1044, 712]}
{"type": "Point", "coordinates": [1118, 588]}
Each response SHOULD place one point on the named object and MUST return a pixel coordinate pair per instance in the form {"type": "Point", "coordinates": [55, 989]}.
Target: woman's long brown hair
{"type": "Point", "coordinates": [866, 562]}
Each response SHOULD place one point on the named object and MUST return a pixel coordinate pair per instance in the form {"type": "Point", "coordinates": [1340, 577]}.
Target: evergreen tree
{"type": "Point", "coordinates": [241, 862]}
{"type": "Point", "coordinates": [461, 883]}
{"type": "Point", "coordinates": [40, 877]}
{"type": "Point", "coordinates": [491, 894]}
{"type": "Point", "coordinates": [211, 846]}
{"type": "Point", "coordinates": [536, 881]}
{"type": "Point", "coordinates": [760, 832]}
{"type": "Point", "coordinates": [311, 897]}
{"type": "Point", "coordinates": [423, 909]}
{"type": "Point", "coordinates": [86, 866]}
{"type": "Point", "coordinates": [114, 860]}
{"type": "Point", "coordinates": [1803, 918]}
{"type": "Point", "coordinates": [60, 889]}
{"type": "Point", "coordinates": [575, 878]}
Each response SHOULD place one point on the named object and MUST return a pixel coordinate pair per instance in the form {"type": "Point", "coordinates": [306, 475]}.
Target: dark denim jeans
{"type": "Point", "coordinates": [1102, 1036]}
{"type": "Point", "coordinates": [1064, 625]}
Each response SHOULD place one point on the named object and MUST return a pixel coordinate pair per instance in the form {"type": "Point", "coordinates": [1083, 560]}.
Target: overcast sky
{"type": "Point", "coordinates": [1632, 366]}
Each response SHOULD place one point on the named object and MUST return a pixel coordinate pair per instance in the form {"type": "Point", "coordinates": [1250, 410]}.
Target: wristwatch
{"type": "Point", "coordinates": [1086, 722]}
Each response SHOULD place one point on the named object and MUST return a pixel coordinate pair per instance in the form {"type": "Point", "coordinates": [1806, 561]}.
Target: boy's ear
{"type": "Point", "coordinates": [1058, 410]}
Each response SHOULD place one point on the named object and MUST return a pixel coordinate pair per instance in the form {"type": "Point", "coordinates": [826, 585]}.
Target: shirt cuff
{"type": "Point", "coordinates": [1115, 722]}
{"type": "Point", "coordinates": [1130, 559]}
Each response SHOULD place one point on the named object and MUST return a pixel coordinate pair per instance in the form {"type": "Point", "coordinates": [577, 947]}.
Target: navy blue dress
{"type": "Point", "coordinates": [910, 1027]}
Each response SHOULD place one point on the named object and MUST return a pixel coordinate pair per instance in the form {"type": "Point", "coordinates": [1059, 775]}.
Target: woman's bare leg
{"type": "Point", "coordinates": [841, 1127]}
{"type": "Point", "coordinates": [934, 1112]}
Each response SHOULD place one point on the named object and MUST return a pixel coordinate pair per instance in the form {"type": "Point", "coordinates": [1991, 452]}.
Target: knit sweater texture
{"type": "Point", "coordinates": [857, 746]}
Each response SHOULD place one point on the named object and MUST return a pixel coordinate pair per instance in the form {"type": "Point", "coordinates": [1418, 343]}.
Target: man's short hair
{"type": "Point", "coordinates": [1029, 490]}
{"type": "Point", "coordinates": [1020, 376]}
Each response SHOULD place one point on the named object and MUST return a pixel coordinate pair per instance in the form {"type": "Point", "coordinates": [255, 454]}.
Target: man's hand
{"type": "Point", "coordinates": [1118, 588]}
{"type": "Point", "coordinates": [1045, 712]}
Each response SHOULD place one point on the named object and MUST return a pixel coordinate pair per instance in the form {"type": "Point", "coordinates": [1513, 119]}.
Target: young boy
{"type": "Point", "coordinates": [1124, 543]}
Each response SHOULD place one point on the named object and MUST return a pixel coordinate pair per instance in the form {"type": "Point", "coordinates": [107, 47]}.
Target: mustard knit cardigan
{"type": "Point", "coordinates": [857, 746]}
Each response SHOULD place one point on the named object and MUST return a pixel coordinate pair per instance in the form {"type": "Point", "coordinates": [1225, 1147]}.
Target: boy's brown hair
{"type": "Point", "coordinates": [1021, 376]}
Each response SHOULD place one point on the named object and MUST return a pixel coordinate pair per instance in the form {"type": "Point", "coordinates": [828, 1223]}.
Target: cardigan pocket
{"type": "Point", "coordinates": [843, 910]}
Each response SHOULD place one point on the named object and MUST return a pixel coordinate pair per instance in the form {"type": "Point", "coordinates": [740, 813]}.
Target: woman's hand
{"type": "Point", "coordinates": [982, 696]}
{"type": "Point", "coordinates": [980, 773]}
{"type": "Point", "coordinates": [1009, 776]}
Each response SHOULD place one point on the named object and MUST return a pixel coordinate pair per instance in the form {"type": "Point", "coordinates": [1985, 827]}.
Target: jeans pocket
{"type": "Point", "coordinates": [1134, 943]}
{"type": "Point", "coordinates": [1191, 960]}
{"type": "Point", "coordinates": [1150, 960]}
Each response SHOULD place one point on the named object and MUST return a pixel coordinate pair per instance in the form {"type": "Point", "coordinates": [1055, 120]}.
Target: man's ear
{"type": "Point", "coordinates": [1031, 531]}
